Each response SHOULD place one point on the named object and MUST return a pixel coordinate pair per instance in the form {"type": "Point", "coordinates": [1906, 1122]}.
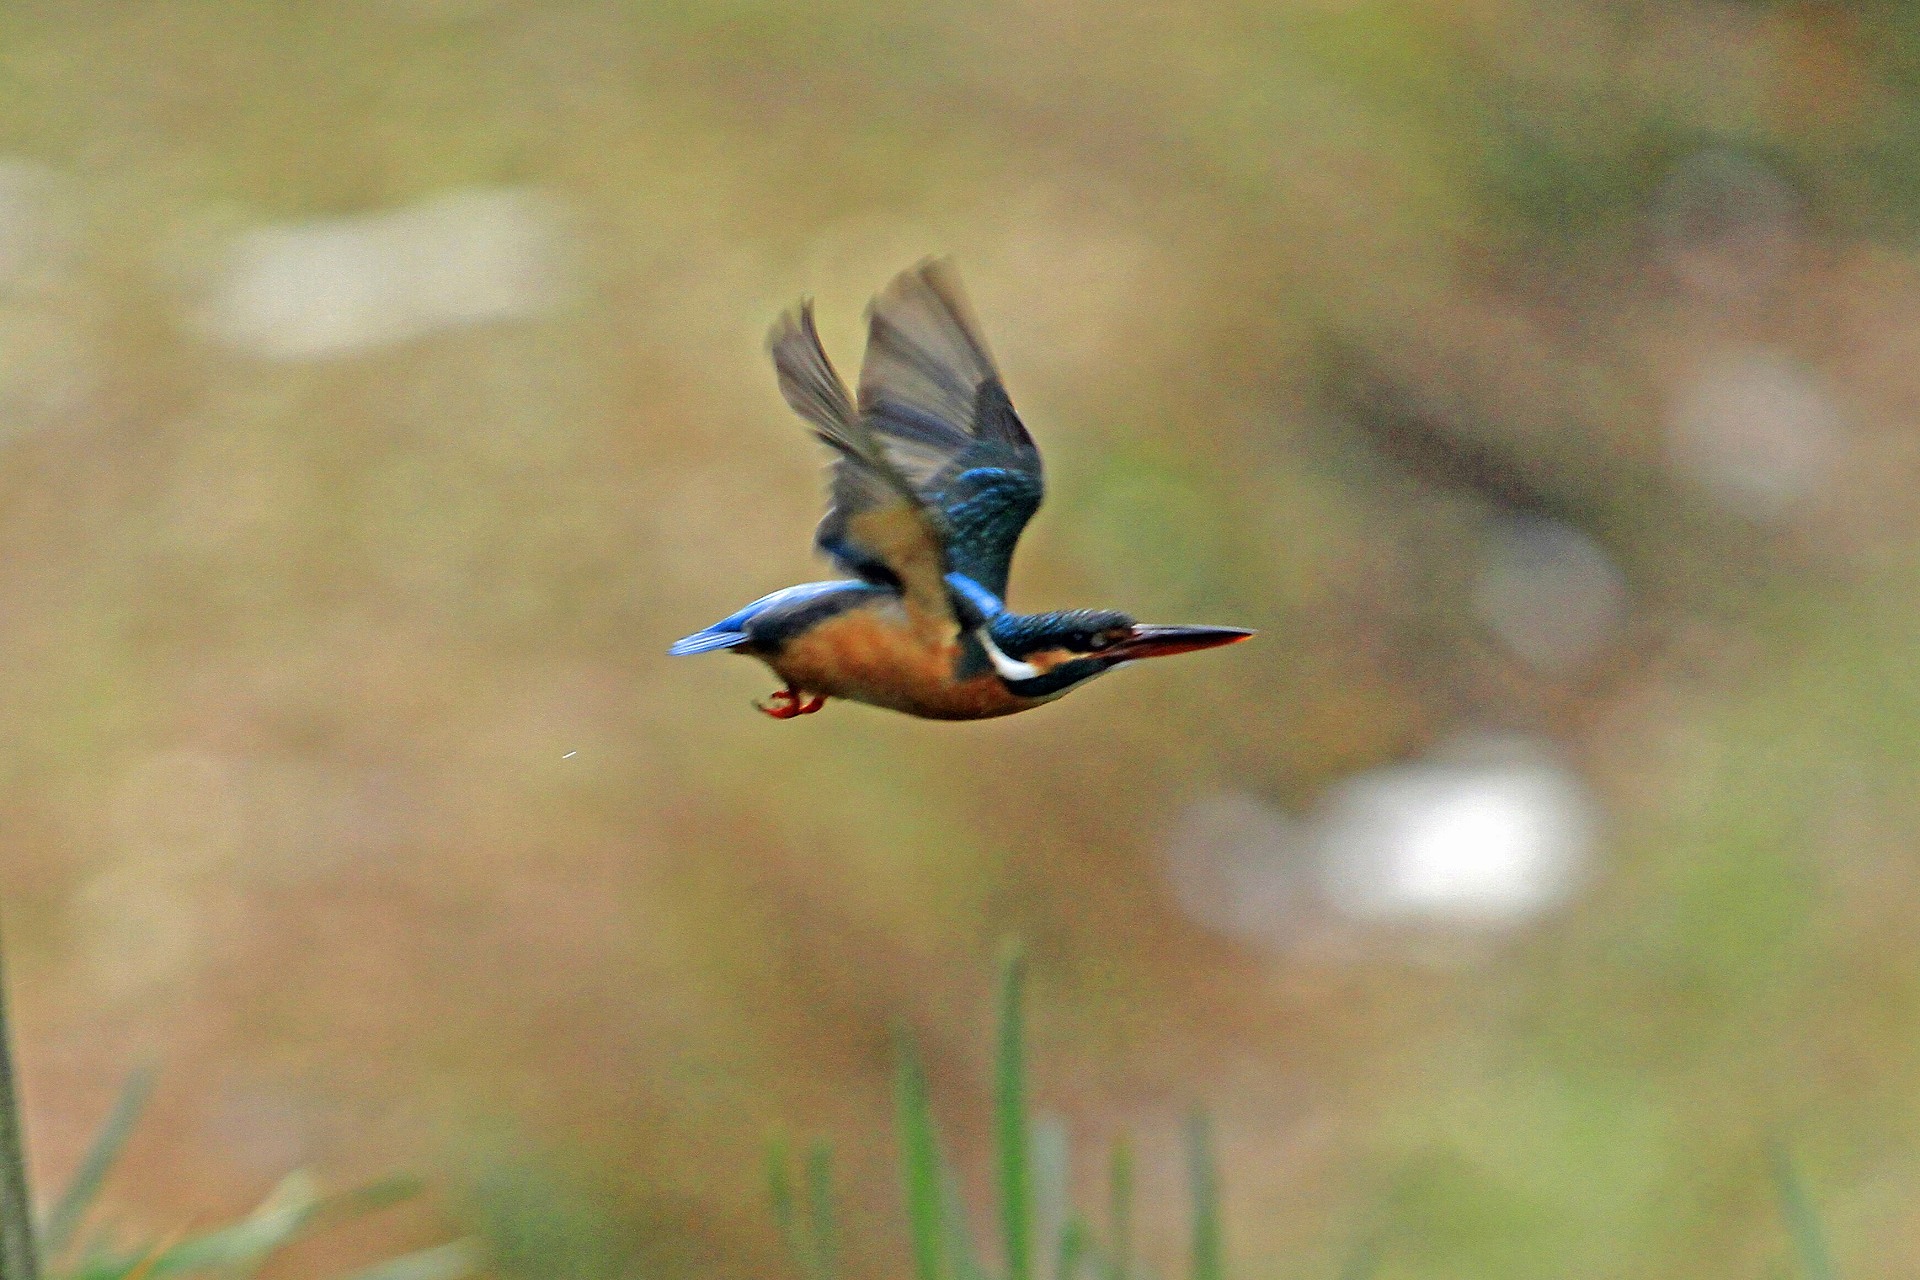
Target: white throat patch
{"type": "Point", "coordinates": [1007, 667]}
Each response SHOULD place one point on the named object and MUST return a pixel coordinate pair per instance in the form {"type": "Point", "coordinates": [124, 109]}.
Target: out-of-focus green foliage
{"type": "Point", "coordinates": [1025, 1180]}
{"type": "Point", "coordinates": [295, 1207]}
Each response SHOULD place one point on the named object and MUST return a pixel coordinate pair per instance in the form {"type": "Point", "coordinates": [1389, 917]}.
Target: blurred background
{"type": "Point", "coordinates": [382, 389]}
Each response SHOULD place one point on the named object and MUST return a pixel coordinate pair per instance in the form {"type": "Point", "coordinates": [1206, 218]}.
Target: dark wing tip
{"type": "Point", "coordinates": [934, 275]}
{"type": "Point", "coordinates": [942, 279]}
{"type": "Point", "coordinates": [928, 297]}
{"type": "Point", "coordinates": [794, 329]}
{"type": "Point", "coordinates": [807, 378]}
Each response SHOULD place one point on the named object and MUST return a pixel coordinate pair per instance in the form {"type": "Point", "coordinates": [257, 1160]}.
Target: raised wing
{"type": "Point", "coordinates": [933, 400]}
{"type": "Point", "coordinates": [877, 525]}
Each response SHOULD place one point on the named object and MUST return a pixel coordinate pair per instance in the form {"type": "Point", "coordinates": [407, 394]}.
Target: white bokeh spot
{"type": "Point", "coordinates": [1489, 832]}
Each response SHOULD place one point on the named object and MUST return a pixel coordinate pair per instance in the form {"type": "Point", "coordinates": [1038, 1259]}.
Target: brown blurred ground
{"type": "Point", "coordinates": [343, 773]}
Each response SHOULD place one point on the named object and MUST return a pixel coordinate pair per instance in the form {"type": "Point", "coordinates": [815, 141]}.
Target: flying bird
{"type": "Point", "coordinates": [932, 480]}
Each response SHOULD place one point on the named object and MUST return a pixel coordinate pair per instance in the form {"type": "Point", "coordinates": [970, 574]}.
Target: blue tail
{"type": "Point", "coordinates": [707, 641]}
{"type": "Point", "coordinates": [731, 632]}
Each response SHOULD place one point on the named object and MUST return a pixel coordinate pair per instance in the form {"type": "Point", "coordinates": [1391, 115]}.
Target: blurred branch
{"type": "Point", "coordinates": [1665, 538]}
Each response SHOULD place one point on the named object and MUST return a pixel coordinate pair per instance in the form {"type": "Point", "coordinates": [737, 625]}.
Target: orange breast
{"type": "Point", "coordinates": [874, 656]}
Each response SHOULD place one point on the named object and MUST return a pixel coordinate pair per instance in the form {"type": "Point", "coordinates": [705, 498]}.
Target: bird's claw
{"type": "Point", "coordinates": [789, 702]}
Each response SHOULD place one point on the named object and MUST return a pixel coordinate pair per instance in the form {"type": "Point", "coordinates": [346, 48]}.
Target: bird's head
{"type": "Point", "coordinates": [1042, 655]}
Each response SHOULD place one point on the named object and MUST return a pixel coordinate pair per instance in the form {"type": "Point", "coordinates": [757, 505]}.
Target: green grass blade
{"type": "Point", "coordinates": [19, 1252]}
{"type": "Point", "coordinates": [1369, 1246]}
{"type": "Point", "coordinates": [1010, 1125]}
{"type": "Point", "coordinates": [1120, 1212]}
{"type": "Point", "coordinates": [1208, 1262]}
{"type": "Point", "coordinates": [293, 1209]}
{"type": "Point", "coordinates": [368, 1197]}
{"type": "Point", "coordinates": [284, 1215]}
{"type": "Point", "coordinates": [1363, 1260]}
{"type": "Point", "coordinates": [780, 1193]}
{"type": "Point", "coordinates": [85, 1184]}
{"type": "Point", "coordinates": [1051, 1163]}
{"type": "Point", "coordinates": [959, 1239]}
{"type": "Point", "coordinates": [453, 1261]}
{"type": "Point", "coordinates": [1802, 1219]}
{"type": "Point", "coordinates": [1076, 1250]}
{"type": "Point", "coordinates": [920, 1163]}
{"type": "Point", "coordinates": [826, 1239]}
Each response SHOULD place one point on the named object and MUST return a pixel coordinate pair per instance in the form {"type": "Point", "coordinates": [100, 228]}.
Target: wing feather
{"type": "Point", "coordinates": [933, 470]}
{"type": "Point", "coordinates": [877, 525]}
{"type": "Point", "coordinates": [807, 377]}
{"type": "Point", "coordinates": [932, 396]}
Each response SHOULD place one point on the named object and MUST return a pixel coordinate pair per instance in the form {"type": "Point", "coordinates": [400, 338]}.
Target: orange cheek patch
{"type": "Point", "coordinates": [1047, 659]}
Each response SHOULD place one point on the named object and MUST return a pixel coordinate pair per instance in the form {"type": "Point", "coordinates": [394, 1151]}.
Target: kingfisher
{"type": "Point", "coordinates": [932, 479]}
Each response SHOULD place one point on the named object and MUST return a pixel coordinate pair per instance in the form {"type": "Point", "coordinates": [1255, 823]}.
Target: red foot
{"type": "Point", "coordinates": [790, 702]}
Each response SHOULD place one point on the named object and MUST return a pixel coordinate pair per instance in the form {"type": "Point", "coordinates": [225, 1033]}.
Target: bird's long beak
{"type": "Point", "coordinates": [1160, 642]}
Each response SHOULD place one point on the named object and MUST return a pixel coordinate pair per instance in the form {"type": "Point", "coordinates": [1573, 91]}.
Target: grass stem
{"type": "Point", "coordinates": [1802, 1219]}
{"type": "Point", "coordinates": [1010, 1123]}
{"type": "Point", "coordinates": [18, 1257]}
